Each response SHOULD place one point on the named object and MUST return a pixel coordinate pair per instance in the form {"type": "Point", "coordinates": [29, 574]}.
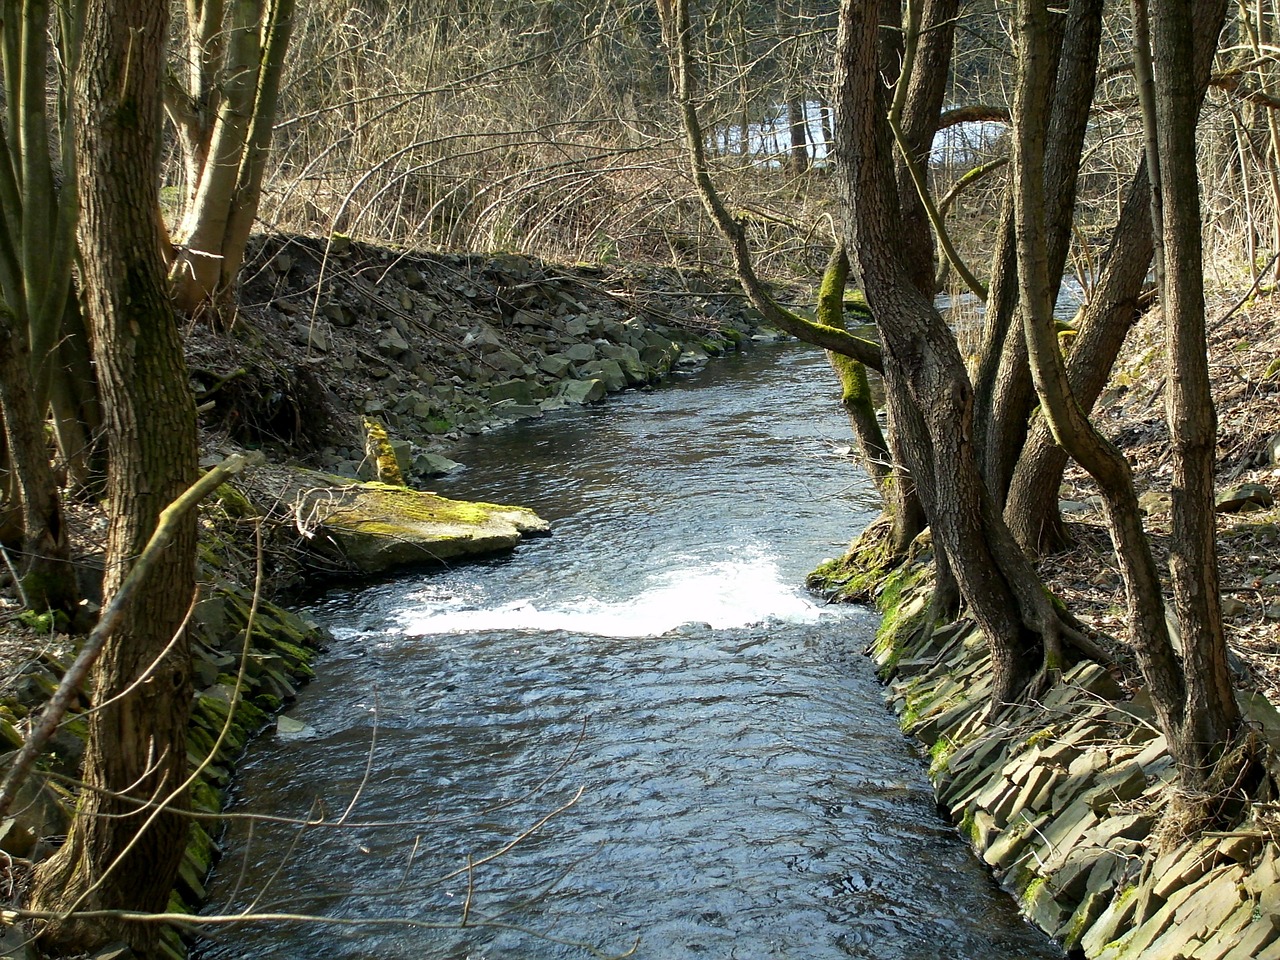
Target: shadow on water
{"type": "Point", "coordinates": [690, 750]}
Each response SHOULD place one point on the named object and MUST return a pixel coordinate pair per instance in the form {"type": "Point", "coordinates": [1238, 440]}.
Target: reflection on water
{"type": "Point", "coordinates": [636, 730]}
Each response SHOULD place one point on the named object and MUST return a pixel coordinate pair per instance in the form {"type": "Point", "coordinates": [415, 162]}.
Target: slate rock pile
{"type": "Point", "coordinates": [1062, 799]}
{"type": "Point", "coordinates": [436, 346]}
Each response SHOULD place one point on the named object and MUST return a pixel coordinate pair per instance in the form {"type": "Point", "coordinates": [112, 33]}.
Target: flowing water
{"type": "Point", "coordinates": [638, 729]}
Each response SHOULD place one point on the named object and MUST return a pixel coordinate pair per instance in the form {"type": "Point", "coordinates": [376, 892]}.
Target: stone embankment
{"type": "Point", "coordinates": [1062, 798]}
{"type": "Point", "coordinates": [249, 656]}
{"type": "Point", "coordinates": [435, 346]}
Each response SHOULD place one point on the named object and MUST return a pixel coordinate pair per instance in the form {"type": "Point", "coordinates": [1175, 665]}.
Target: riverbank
{"type": "Point", "coordinates": [1062, 797]}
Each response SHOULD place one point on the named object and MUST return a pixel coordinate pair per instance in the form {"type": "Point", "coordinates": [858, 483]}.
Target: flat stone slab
{"type": "Point", "coordinates": [377, 527]}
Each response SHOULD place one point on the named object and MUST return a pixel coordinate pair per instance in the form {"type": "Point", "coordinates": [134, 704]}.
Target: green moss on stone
{"type": "Point", "coordinates": [940, 755]}
{"type": "Point", "coordinates": [1030, 891]}
{"type": "Point", "coordinates": [234, 503]}
{"type": "Point", "coordinates": [268, 702]}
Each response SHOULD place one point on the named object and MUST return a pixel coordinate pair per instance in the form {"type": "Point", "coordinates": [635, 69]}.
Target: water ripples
{"type": "Point", "coordinates": [690, 751]}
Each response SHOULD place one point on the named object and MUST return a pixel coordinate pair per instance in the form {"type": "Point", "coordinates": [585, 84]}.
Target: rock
{"type": "Point", "coordinates": [1270, 453]}
{"type": "Point", "coordinates": [1246, 496]}
{"type": "Point", "coordinates": [484, 337]}
{"type": "Point", "coordinates": [36, 812]}
{"type": "Point", "coordinates": [505, 361]}
{"type": "Point", "coordinates": [637, 372]}
{"type": "Point", "coordinates": [1074, 507]}
{"type": "Point", "coordinates": [433, 465]}
{"type": "Point", "coordinates": [517, 391]}
{"type": "Point", "coordinates": [510, 410]}
{"type": "Point", "coordinates": [556, 365]}
{"type": "Point", "coordinates": [660, 358]}
{"type": "Point", "coordinates": [581, 352]}
{"type": "Point", "coordinates": [1232, 607]}
{"type": "Point", "coordinates": [607, 371]}
{"type": "Point", "coordinates": [312, 336]}
{"type": "Point", "coordinates": [375, 527]}
{"type": "Point", "coordinates": [391, 344]}
{"type": "Point", "coordinates": [1153, 502]}
{"type": "Point", "coordinates": [693, 357]}
{"type": "Point", "coordinates": [338, 315]}
{"type": "Point", "coordinates": [581, 391]}
{"type": "Point", "coordinates": [288, 728]}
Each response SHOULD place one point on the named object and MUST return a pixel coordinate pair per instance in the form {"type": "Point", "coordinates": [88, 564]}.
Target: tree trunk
{"type": "Point", "coordinates": [224, 116]}
{"type": "Point", "coordinates": [1208, 715]}
{"type": "Point", "coordinates": [1006, 394]}
{"type": "Point", "coordinates": [855, 389]}
{"type": "Point", "coordinates": [929, 55]}
{"type": "Point", "coordinates": [1032, 506]}
{"type": "Point", "coordinates": [127, 839]}
{"type": "Point", "coordinates": [798, 126]}
{"type": "Point", "coordinates": [48, 579]}
{"type": "Point", "coordinates": [925, 376]}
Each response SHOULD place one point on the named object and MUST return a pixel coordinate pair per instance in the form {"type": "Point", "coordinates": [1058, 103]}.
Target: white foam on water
{"type": "Point", "coordinates": [722, 594]}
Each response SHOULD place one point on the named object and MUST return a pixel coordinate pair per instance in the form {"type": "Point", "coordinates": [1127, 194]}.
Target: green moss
{"type": "Point", "coordinates": [857, 575]}
{"type": "Point", "coordinates": [855, 388]}
{"type": "Point", "coordinates": [234, 503]}
{"type": "Point", "coordinates": [10, 738]}
{"type": "Point", "coordinates": [940, 755]}
{"type": "Point", "coordinates": [77, 726]}
{"type": "Point", "coordinates": [855, 302]}
{"type": "Point", "coordinates": [268, 702]}
{"type": "Point", "coordinates": [436, 425]}
{"type": "Point", "coordinates": [897, 623]}
{"type": "Point", "coordinates": [298, 658]}
{"type": "Point", "coordinates": [1042, 736]}
{"type": "Point", "coordinates": [1032, 888]}
{"type": "Point", "coordinates": [382, 500]}
{"type": "Point", "coordinates": [206, 798]}
{"type": "Point", "coordinates": [50, 621]}
{"type": "Point", "coordinates": [379, 450]}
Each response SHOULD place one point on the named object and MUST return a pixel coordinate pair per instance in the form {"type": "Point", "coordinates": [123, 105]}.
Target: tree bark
{"type": "Point", "coordinates": [127, 839]}
{"type": "Point", "coordinates": [224, 116]}
{"type": "Point", "coordinates": [797, 126]}
{"type": "Point", "coordinates": [1006, 394]}
{"type": "Point", "coordinates": [921, 108]}
{"type": "Point", "coordinates": [1207, 715]}
{"type": "Point", "coordinates": [1113, 307]}
{"type": "Point", "coordinates": [1032, 506]}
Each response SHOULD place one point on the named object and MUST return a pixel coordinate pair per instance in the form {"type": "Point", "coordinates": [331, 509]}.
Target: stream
{"type": "Point", "coordinates": [639, 730]}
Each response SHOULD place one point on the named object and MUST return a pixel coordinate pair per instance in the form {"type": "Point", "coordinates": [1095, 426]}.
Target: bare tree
{"type": "Point", "coordinates": [128, 835]}
{"type": "Point", "coordinates": [222, 102]}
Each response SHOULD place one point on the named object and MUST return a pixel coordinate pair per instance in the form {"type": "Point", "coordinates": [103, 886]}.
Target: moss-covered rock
{"type": "Point", "coordinates": [376, 526]}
